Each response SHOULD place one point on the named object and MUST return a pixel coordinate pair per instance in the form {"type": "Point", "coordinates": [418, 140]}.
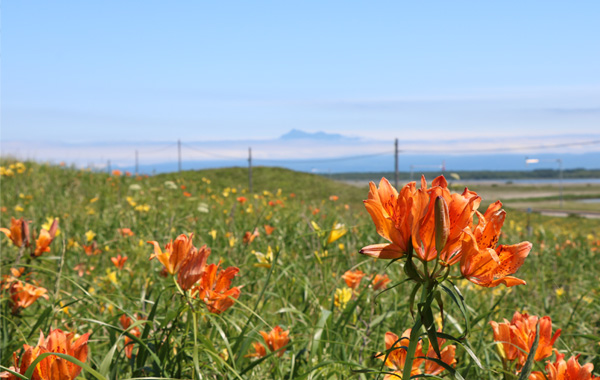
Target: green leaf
{"type": "Point", "coordinates": [459, 301]}
{"type": "Point", "coordinates": [429, 324]}
{"type": "Point", "coordinates": [104, 368]}
{"type": "Point", "coordinates": [316, 340]}
{"type": "Point", "coordinates": [464, 345]}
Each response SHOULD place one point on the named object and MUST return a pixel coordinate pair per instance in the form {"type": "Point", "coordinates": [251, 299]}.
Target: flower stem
{"type": "Point", "coordinates": [414, 335]}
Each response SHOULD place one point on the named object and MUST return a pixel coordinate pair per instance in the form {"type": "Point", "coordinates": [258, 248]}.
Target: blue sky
{"type": "Point", "coordinates": [113, 71]}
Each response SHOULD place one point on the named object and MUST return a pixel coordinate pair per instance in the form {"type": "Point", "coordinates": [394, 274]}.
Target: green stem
{"type": "Point", "coordinates": [195, 328]}
{"type": "Point", "coordinates": [414, 336]}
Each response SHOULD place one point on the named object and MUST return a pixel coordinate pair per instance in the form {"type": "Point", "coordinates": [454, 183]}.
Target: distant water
{"type": "Point", "coordinates": [573, 181]}
{"type": "Point", "coordinates": [593, 200]}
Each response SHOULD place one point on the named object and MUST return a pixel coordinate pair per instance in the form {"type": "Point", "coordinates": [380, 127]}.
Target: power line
{"type": "Point", "coordinates": [212, 153]}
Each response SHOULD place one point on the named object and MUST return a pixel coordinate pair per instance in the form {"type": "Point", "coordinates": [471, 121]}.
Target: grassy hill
{"type": "Point", "coordinates": [292, 239]}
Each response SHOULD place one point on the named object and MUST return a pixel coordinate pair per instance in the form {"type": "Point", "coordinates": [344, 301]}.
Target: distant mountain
{"type": "Point", "coordinates": [296, 134]}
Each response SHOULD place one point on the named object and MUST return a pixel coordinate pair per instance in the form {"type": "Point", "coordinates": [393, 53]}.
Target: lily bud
{"type": "Point", "coordinates": [442, 223]}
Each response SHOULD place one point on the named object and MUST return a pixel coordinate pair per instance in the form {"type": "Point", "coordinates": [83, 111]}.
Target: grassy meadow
{"type": "Point", "coordinates": [309, 230]}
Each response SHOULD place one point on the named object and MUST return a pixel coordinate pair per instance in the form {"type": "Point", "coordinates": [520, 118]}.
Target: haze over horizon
{"type": "Point", "coordinates": [79, 75]}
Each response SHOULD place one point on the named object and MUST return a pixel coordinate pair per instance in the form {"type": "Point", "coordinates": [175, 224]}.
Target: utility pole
{"type": "Point", "coordinates": [396, 162]}
{"type": "Point", "coordinates": [250, 169]}
{"type": "Point", "coordinates": [108, 166]}
{"type": "Point", "coordinates": [137, 166]}
{"type": "Point", "coordinates": [179, 153]}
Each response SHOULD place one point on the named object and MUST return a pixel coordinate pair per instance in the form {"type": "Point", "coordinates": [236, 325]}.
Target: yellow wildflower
{"type": "Point", "coordinates": [20, 167]}
{"type": "Point", "coordinates": [342, 297]}
{"type": "Point", "coordinates": [264, 260]}
{"type": "Point", "coordinates": [337, 232]}
{"type": "Point", "coordinates": [90, 235]}
{"type": "Point", "coordinates": [143, 208]}
{"type": "Point", "coordinates": [111, 276]}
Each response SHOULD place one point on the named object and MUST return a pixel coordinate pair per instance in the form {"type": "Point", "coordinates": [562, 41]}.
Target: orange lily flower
{"type": "Point", "coordinates": [380, 281]}
{"type": "Point", "coordinates": [82, 269]}
{"type": "Point", "coordinates": [518, 335]}
{"type": "Point", "coordinates": [23, 295]}
{"type": "Point", "coordinates": [484, 264]}
{"type": "Point", "coordinates": [92, 249]}
{"type": "Point", "coordinates": [353, 278]}
{"type": "Point", "coordinates": [119, 261]}
{"type": "Point", "coordinates": [9, 279]}
{"type": "Point", "coordinates": [18, 233]}
{"type": "Point", "coordinates": [125, 232]}
{"type": "Point", "coordinates": [250, 236]}
{"type": "Point", "coordinates": [242, 200]}
{"type": "Point", "coordinates": [566, 370]}
{"type": "Point", "coordinates": [392, 214]}
{"type": "Point", "coordinates": [175, 253]}
{"type": "Point", "coordinates": [456, 213]}
{"type": "Point", "coordinates": [396, 355]}
{"type": "Point", "coordinates": [269, 229]}
{"type": "Point", "coordinates": [42, 244]}
{"type": "Point", "coordinates": [116, 173]}
{"type": "Point", "coordinates": [276, 341]}
{"type": "Point", "coordinates": [259, 351]}
{"type": "Point", "coordinates": [409, 217]}
{"type": "Point", "coordinates": [213, 289]}
{"type": "Point", "coordinates": [52, 367]}
{"type": "Point", "coordinates": [448, 357]}
{"type": "Point", "coordinates": [192, 268]}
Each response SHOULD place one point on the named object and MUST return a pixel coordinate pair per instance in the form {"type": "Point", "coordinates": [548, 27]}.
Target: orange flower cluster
{"type": "Point", "coordinates": [92, 249]}
{"type": "Point", "coordinates": [51, 367]}
{"type": "Point", "coordinates": [353, 279]}
{"type": "Point", "coordinates": [19, 235]}
{"type": "Point", "coordinates": [438, 225]}
{"type": "Point", "coordinates": [565, 370]}
{"type": "Point", "coordinates": [24, 295]}
{"type": "Point", "coordinates": [518, 335]}
{"type": "Point", "coordinates": [395, 356]}
{"type": "Point", "coordinates": [188, 263]}
{"type": "Point", "coordinates": [276, 340]}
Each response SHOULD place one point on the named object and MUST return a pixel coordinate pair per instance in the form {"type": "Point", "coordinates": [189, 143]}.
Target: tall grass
{"type": "Point", "coordinates": [180, 339]}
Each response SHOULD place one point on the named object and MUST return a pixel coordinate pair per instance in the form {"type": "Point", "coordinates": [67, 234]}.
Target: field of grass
{"type": "Point", "coordinates": [290, 277]}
